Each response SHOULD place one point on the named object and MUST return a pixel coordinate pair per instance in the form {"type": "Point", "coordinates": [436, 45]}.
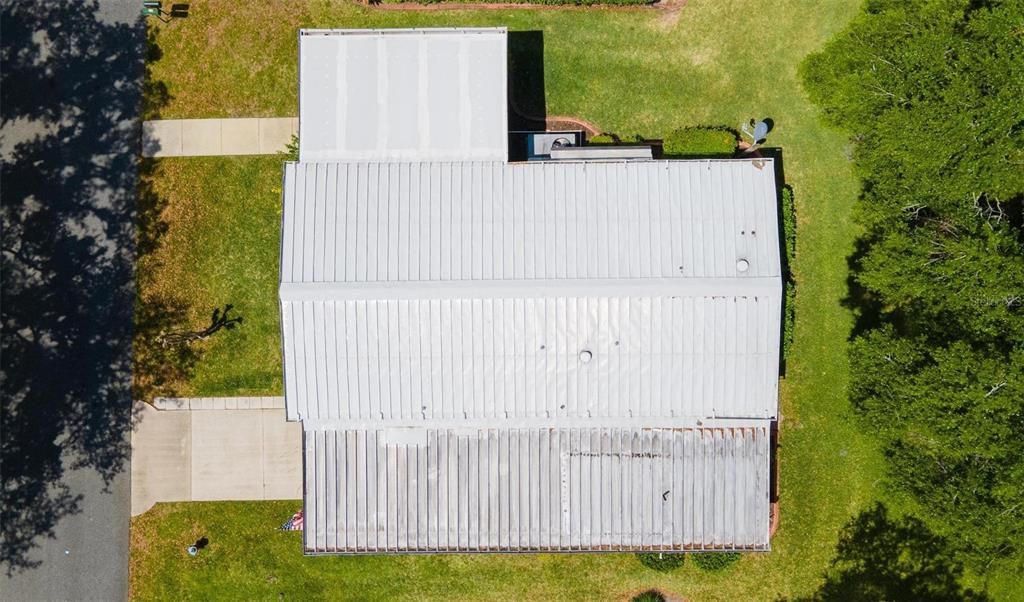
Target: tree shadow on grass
{"type": "Point", "coordinates": [883, 558]}
{"type": "Point", "coordinates": [157, 369]}
{"type": "Point", "coordinates": [868, 312]}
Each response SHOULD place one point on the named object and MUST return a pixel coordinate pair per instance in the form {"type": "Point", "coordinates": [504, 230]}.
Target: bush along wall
{"type": "Point", "coordinates": [788, 211]}
{"type": "Point", "coordinates": [608, 138]}
{"type": "Point", "coordinates": [661, 561]}
{"type": "Point", "coordinates": [693, 142]}
{"type": "Point", "coordinates": [700, 142]}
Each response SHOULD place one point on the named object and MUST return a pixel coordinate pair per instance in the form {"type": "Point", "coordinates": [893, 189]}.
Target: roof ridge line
{"type": "Point", "coordinates": [746, 286]}
{"type": "Point", "coordinates": [536, 423]}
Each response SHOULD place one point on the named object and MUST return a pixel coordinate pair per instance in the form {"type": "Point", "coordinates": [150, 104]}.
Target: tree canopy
{"type": "Point", "coordinates": [932, 94]}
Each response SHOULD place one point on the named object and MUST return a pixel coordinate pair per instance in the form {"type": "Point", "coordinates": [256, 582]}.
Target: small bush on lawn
{"type": "Point", "coordinates": [602, 139]}
{"type": "Point", "coordinates": [696, 141]}
{"type": "Point", "coordinates": [715, 561]}
{"type": "Point", "coordinates": [651, 595]}
{"type": "Point", "coordinates": [661, 561]}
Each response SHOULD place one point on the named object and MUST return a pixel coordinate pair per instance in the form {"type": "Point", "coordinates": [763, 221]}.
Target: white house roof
{"type": "Point", "coordinates": [409, 94]}
{"type": "Point", "coordinates": [492, 356]}
{"type": "Point", "coordinates": [438, 295]}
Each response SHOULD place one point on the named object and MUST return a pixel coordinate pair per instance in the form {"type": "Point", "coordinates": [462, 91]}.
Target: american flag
{"type": "Point", "coordinates": [294, 523]}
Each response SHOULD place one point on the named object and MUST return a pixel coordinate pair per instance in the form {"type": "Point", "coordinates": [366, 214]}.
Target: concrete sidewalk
{"type": "Point", "coordinates": [214, 449]}
{"type": "Point", "coordinates": [208, 137]}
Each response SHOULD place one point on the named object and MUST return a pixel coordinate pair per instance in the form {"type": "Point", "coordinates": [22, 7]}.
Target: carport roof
{"type": "Point", "coordinates": [409, 94]}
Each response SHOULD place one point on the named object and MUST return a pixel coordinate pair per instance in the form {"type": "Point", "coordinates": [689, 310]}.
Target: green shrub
{"type": "Point", "coordinates": [291, 150]}
{"type": "Point", "coordinates": [651, 595]}
{"type": "Point", "coordinates": [715, 561]}
{"type": "Point", "coordinates": [789, 250]}
{"type": "Point", "coordinates": [661, 561]}
{"type": "Point", "coordinates": [602, 139]}
{"type": "Point", "coordinates": [698, 141]}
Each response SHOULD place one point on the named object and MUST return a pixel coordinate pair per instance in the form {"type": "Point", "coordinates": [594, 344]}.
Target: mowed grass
{"type": "Point", "coordinates": [221, 246]}
{"type": "Point", "coordinates": [248, 558]}
{"type": "Point", "coordinates": [629, 71]}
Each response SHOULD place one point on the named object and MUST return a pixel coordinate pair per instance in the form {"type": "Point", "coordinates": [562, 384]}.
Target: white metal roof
{"type": "Point", "coordinates": [500, 357]}
{"type": "Point", "coordinates": [425, 293]}
{"type": "Point", "coordinates": [450, 490]}
{"type": "Point", "coordinates": [389, 222]}
{"type": "Point", "coordinates": [410, 94]}
{"type": "Point", "coordinates": [478, 360]}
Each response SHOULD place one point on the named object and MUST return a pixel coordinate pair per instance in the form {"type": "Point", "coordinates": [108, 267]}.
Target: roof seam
{"type": "Point", "coordinates": [535, 288]}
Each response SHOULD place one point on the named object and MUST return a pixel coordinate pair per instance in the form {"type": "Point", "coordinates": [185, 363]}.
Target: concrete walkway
{"type": "Point", "coordinates": [233, 448]}
{"type": "Point", "coordinates": [208, 137]}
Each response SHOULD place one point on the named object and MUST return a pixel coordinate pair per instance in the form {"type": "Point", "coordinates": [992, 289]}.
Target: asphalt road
{"type": "Point", "coordinates": [87, 559]}
{"type": "Point", "coordinates": [69, 140]}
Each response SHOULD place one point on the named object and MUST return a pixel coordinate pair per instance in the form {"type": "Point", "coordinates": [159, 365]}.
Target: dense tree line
{"type": "Point", "coordinates": [932, 92]}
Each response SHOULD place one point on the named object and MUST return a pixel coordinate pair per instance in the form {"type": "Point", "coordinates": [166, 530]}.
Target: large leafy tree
{"type": "Point", "coordinates": [932, 93]}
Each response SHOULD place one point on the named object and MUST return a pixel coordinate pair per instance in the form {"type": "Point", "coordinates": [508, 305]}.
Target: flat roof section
{"type": "Point", "coordinates": [411, 94]}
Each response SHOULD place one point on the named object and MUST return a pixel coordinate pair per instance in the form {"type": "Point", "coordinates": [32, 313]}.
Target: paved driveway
{"type": "Point", "coordinates": [238, 448]}
{"type": "Point", "coordinates": [69, 138]}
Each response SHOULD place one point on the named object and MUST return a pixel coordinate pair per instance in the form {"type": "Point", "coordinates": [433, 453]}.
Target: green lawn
{"type": "Point", "coordinates": [219, 245]}
{"type": "Point", "coordinates": [629, 71]}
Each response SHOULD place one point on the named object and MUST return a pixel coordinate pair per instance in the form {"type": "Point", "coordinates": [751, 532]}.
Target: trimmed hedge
{"type": "Point", "coordinates": [715, 561]}
{"type": "Point", "coordinates": [789, 248]}
{"type": "Point", "coordinates": [602, 139]}
{"type": "Point", "coordinates": [696, 141]}
{"type": "Point", "coordinates": [651, 595]}
{"type": "Point", "coordinates": [661, 561]}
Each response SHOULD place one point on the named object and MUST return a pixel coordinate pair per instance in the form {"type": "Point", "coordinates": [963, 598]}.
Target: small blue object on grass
{"type": "Point", "coordinates": [192, 550]}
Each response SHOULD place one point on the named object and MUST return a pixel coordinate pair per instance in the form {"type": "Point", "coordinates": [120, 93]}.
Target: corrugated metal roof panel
{"type": "Point", "coordinates": [456, 490]}
{"type": "Point", "coordinates": [382, 222]}
{"type": "Point", "coordinates": [502, 357]}
{"type": "Point", "coordinates": [410, 94]}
